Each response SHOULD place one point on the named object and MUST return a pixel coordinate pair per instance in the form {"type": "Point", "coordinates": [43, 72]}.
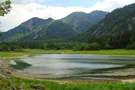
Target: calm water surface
{"type": "Point", "coordinates": [69, 64]}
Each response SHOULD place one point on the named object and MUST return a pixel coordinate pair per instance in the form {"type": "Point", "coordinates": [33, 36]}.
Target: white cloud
{"type": "Point", "coordinates": [22, 12]}
{"type": "Point", "coordinates": [27, 1]}
{"type": "Point", "coordinates": [109, 5]}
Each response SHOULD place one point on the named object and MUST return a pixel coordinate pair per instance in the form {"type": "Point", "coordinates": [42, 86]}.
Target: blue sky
{"type": "Point", "coordinates": [63, 3]}
{"type": "Point", "coordinates": [23, 10]}
{"type": "Point", "coordinates": [68, 3]}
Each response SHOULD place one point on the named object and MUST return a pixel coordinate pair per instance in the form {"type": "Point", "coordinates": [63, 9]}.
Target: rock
{"type": "Point", "coordinates": [20, 88]}
{"type": "Point", "coordinates": [14, 88]}
{"type": "Point", "coordinates": [38, 86]}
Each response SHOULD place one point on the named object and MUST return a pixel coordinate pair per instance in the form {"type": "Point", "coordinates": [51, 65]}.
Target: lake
{"type": "Point", "coordinates": [68, 64]}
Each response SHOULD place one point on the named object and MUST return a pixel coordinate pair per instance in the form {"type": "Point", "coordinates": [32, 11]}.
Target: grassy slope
{"type": "Point", "coordinates": [36, 51]}
{"type": "Point", "coordinates": [49, 85]}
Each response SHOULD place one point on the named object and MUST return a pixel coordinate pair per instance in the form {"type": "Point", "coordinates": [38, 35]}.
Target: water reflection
{"type": "Point", "coordinates": [71, 64]}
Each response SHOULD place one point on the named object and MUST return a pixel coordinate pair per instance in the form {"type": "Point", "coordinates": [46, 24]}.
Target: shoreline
{"type": "Point", "coordinates": [113, 73]}
{"type": "Point", "coordinates": [107, 76]}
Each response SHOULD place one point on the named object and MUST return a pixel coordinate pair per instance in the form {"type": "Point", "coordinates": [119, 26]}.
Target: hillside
{"type": "Point", "coordinates": [55, 30]}
{"type": "Point", "coordinates": [46, 29]}
{"type": "Point", "coordinates": [39, 29]}
{"type": "Point", "coordinates": [81, 21]}
{"type": "Point", "coordinates": [25, 28]}
{"type": "Point", "coordinates": [117, 28]}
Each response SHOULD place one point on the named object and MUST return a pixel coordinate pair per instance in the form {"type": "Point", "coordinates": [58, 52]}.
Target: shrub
{"type": "Point", "coordinates": [131, 46]}
{"type": "Point", "coordinates": [93, 46]}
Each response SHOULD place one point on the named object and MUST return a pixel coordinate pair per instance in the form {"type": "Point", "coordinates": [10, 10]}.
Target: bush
{"type": "Point", "coordinates": [93, 46]}
{"type": "Point", "coordinates": [131, 46]}
{"type": "Point", "coordinates": [9, 47]}
{"type": "Point", "coordinates": [79, 47]}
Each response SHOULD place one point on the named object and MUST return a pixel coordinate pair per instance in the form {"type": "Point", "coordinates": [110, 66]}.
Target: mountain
{"type": "Point", "coordinates": [39, 29]}
{"type": "Point", "coordinates": [55, 30]}
{"type": "Point", "coordinates": [81, 21]}
{"type": "Point", "coordinates": [118, 23]}
{"type": "Point", "coordinates": [25, 28]}
{"type": "Point", "coordinates": [46, 29]}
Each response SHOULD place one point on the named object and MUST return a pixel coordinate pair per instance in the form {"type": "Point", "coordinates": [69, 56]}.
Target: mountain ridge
{"type": "Point", "coordinates": [115, 18]}
{"type": "Point", "coordinates": [35, 25]}
{"type": "Point", "coordinates": [81, 21]}
{"type": "Point", "coordinates": [50, 32]}
{"type": "Point", "coordinates": [117, 29]}
{"type": "Point", "coordinates": [23, 29]}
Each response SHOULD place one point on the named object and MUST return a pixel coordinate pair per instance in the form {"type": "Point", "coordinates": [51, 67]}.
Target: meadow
{"type": "Point", "coordinates": [120, 52]}
{"type": "Point", "coordinates": [54, 85]}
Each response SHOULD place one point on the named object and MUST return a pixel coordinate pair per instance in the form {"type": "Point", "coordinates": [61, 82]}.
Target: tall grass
{"type": "Point", "coordinates": [50, 85]}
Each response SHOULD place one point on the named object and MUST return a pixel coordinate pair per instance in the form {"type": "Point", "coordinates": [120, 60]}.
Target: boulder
{"type": "Point", "coordinates": [38, 86]}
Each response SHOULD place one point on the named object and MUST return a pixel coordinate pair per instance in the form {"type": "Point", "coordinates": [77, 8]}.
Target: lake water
{"type": "Point", "coordinates": [68, 64]}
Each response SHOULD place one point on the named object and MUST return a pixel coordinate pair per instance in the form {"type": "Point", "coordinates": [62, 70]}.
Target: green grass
{"type": "Point", "coordinates": [11, 54]}
{"type": "Point", "coordinates": [100, 52]}
{"type": "Point", "coordinates": [108, 52]}
{"type": "Point", "coordinates": [50, 85]}
{"type": "Point", "coordinates": [38, 51]}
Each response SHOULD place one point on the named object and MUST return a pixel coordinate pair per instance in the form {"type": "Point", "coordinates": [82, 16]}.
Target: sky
{"type": "Point", "coordinates": [23, 10]}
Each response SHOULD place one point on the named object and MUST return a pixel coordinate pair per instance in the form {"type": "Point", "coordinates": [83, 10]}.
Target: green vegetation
{"type": "Point", "coordinates": [11, 54]}
{"type": "Point", "coordinates": [84, 46]}
{"type": "Point", "coordinates": [5, 7]}
{"type": "Point", "coordinates": [116, 30]}
{"type": "Point", "coordinates": [80, 21]}
{"type": "Point", "coordinates": [39, 51]}
{"type": "Point", "coordinates": [100, 52]}
{"type": "Point", "coordinates": [131, 46]}
{"type": "Point", "coordinates": [10, 47]}
{"type": "Point", "coordinates": [56, 30]}
{"type": "Point", "coordinates": [24, 29]}
{"type": "Point", "coordinates": [49, 85]}
{"type": "Point", "coordinates": [52, 30]}
{"type": "Point", "coordinates": [49, 29]}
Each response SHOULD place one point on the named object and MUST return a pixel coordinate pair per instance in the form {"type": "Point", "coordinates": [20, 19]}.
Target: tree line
{"type": "Point", "coordinates": [125, 40]}
{"type": "Point", "coordinates": [19, 46]}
